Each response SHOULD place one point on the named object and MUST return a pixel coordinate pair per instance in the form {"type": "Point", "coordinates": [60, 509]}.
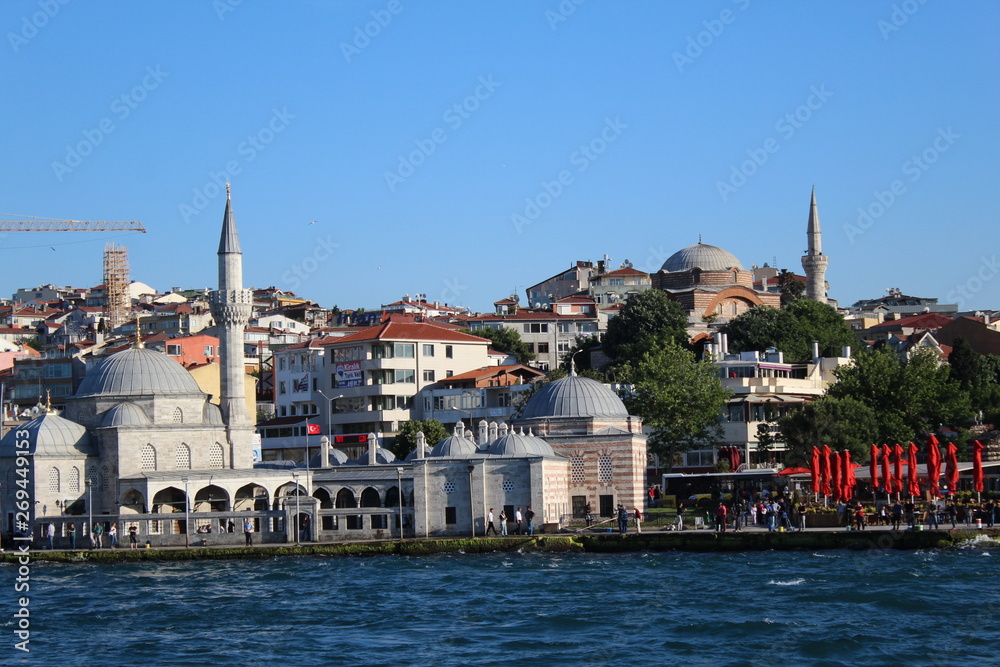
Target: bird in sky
{"type": "Point", "coordinates": [313, 222]}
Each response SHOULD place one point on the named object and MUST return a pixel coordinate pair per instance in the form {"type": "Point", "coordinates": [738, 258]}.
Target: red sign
{"type": "Point", "coordinates": [350, 439]}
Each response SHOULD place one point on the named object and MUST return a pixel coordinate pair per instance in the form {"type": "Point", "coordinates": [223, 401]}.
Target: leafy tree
{"type": "Point", "coordinates": [822, 323]}
{"type": "Point", "coordinates": [762, 327]}
{"type": "Point", "coordinates": [679, 398]}
{"type": "Point", "coordinates": [645, 317]}
{"type": "Point", "coordinates": [406, 437]}
{"type": "Point", "coordinates": [506, 340]}
{"type": "Point", "coordinates": [840, 423]}
{"type": "Point", "coordinates": [791, 287]}
{"type": "Point", "coordinates": [977, 374]}
{"type": "Point", "coordinates": [790, 329]}
{"type": "Point", "coordinates": [911, 397]}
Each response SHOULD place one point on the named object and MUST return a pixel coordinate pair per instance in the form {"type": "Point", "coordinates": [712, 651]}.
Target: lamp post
{"type": "Point", "coordinates": [187, 515]}
{"type": "Point", "coordinates": [472, 507]}
{"type": "Point", "coordinates": [471, 425]}
{"type": "Point", "coordinates": [90, 509]}
{"type": "Point", "coordinates": [295, 478]}
{"type": "Point", "coordinates": [399, 487]}
{"type": "Point", "coordinates": [329, 418]}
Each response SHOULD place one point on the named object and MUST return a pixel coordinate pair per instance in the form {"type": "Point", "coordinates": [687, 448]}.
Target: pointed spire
{"type": "Point", "coordinates": [813, 231]}
{"type": "Point", "coordinates": [230, 241]}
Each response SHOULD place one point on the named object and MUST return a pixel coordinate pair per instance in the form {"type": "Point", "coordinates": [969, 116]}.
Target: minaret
{"type": "Point", "coordinates": [814, 262]}
{"type": "Point", "coordinates": [231, 306]}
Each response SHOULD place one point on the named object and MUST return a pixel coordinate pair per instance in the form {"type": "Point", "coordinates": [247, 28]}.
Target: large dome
{"type": "Point", "coordinates": [48, 435]}
{"type": "Point", "coordinates": [701, 256]}
{"type": "Point", "coordinates": [574, 396]}
{"type": "Point", "coordinates": [137, 372]}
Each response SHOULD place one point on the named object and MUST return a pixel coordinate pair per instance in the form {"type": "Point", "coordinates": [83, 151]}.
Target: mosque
{"type": "Point", "coordinates": [140, 445]}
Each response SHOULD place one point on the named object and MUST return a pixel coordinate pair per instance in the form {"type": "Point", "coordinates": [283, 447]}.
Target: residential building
{"type": "Point", "coordinates": [492, 393]}
{"type": "Point", "coordinates": [573, 280]}
{"type": "Point", "coordinates": [617, 286]}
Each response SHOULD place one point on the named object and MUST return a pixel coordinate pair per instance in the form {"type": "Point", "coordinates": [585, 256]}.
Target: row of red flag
{"type": "Point", "coordinates": [833, 473]}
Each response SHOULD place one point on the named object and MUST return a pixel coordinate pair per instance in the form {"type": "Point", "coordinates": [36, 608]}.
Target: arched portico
{"type": "Point", "coordinates": [211, 498]}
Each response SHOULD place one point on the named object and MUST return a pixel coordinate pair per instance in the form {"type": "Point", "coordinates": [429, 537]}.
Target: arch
{"type": "Point", "coordinates": [392, 497]}
{"type": "Point", "coordinates": [286, 491]}
{"type": "Point", "coordinates": [324, 498]}
{"type": "Point", "coordinates": [251, 497]}
{"type": "Point", "coordinates": [216, 456]}
{"type": "Point", "coordinates": [132, 502]}
{"type": "Point", "coordinates": [345, 499]}
{"type": "Point", "coordinates": [178, 416]}
{"type": "Point", "coordinates": [54, 480]}
{"type": "Point", "coordinates": [74, 480]}
{"type": "Point", "coordinates": [741, 293]}
{"type": "Point", "coordinates": [182, 457]}
{"type": "Point", "coordinates": [370, 498]}
{"type": "Point", "coordinates": [147, 457]}
{"type": "Point", "coordinates": [211, 498]}
{"type": "Point", "coordinates": [170, 499]}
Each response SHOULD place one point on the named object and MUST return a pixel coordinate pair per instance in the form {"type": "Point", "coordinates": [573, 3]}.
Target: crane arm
{"type": "Point", "coordinates": [71, 226]}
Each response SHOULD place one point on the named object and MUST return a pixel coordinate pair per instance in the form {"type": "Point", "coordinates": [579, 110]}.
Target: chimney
{"type": "Point", "coordinates": [324, 452]}
{"type": "Point", "coordinates": [493, 431]}
{"type": "Point", "coordinates": [372, 446]}
{"type": "Point", "coordinates": [503, 429]}
{"type": "Point", "coordinates": [846, 352]}
{"type": "Point", "coordinates": [483, 433]}
{"type": "Point", "coordinates": [725, 344]}
{"type": "Point", "coordinates": [815, 351]}
{"type": "Point", "coordinates": [421, 443]}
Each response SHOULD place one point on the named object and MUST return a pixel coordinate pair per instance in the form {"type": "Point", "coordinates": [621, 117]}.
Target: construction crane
{"type": "Point", "coordinates": [36, 224]}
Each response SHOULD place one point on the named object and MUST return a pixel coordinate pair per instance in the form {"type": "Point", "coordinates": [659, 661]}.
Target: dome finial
{"type": "Point", "coordinates": [138, 334]}
{"type": "Point", "coordinates": [699, 239]}
{"type": "Point", "coordinates": [48, 401]}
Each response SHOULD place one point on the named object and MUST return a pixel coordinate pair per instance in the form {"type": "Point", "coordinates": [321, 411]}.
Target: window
{"type": "Point", "coordinates": [209, 350]}
{"type": "Point", "coordinates": [93, 478]}
{"type": "Point", "coordinates": [449, 374]}
{"type": "Point", "coordinates": [174, 350]}
{"type": "Point", "coordinates": [281, 387]}
{"type": "Point", "coordinates": [183, 457]}
{"type": "Point", "coordinates": [106, 477]}
{"type": "Point", "coordinates": [428, 376]}
{"type": "Point", "coordinates": [577, 472]}
{"type": "Point", "coordinates": [562, 346]}
{"type": "Point", "coordinates": [216, 457]}
{"type": "Point", "coordinates": [604, 469]}
{"type": "Point", "coordinates": [531, 347]}
{"type": "Point", "coordinates": [450, 516]}
{"type": "Point", "coordinates": [449, 351]}
{"type": "Point", "coordinates": [54, 480]}
{"type": "Point", "coordinates": [536, 328]}
{"type": "Point", "coordinates": [543, 348]}
{"type": "Point", "coordinates": [147, 457]}
{"type": "Point", "coordinates": [383, 402]}
{"type": "Point", "coordinates": [315, 380]}
{"type": "Point", "coordinates": [405, 376]}
{"type": "Point", "coordinates": [565, 327]}
{"type": "Point", "coordinates": [74, 480]}
{"type": "Point", "coordinates": [616, 281]}
{"type": "Point", "coordinates": [439, 402]}
{"type": "Point", "coordinates": [428, 350]}
{"type": "Point", "coordinates": [281, 363]}
{"type": "Point", "coordinates": [178, 416]}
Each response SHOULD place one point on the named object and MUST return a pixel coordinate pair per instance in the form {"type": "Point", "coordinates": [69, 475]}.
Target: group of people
{"type": "Point", "coordinates": [97, 533]}
{"type": "Point", "coordinates": [773, 513]}
{"type": "Point", "coordinates": [524, 523]}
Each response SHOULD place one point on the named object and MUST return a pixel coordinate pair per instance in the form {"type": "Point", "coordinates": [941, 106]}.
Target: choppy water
{"type": "Point", "coordinates": [823, 608]}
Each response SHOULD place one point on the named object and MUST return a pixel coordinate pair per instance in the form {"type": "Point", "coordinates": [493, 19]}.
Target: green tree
{"type": "Point", "coordinates": [839, 423]}
{"type": "Point", "coordinates": [645, 317]}
{"type": "Point", "coordinates": [791, 287]}
{"type": "Point", "coordinates": [506, 340]}
{"type": "Point", "coordinates": [762, 327]}
{"type": "Point", "coordinates": [580, 353]}
{"type": "Point", "coordinates": [679, 397]}
{"type": "Point", "coordinates": [911, 397]}
{"type": "Point", "coordinates": [977, 374]}
{"type": "Point", "coordinates": [406, 437]}
{"type": "Point", "coordinates": [791, 329]}
{"type": "Point", "coordinates": [822, 323]}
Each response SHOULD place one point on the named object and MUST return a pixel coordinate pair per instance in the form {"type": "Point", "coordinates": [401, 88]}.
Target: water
{"type": "Point", "coordinates": [823, 608]}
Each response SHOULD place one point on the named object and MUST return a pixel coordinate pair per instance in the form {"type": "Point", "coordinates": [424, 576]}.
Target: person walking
{"type": "Point", "coordinates": [50, 533]}
{"type": "Point", "coordinates": [72, 536]}
{"type": "Point", "coordinates": [529, 515]}
{"type": "Point", "coordinates": [952, 513]}
{"type": "Point", "coordinates": [802, 516]}
{"type": "Point", "coordinates": [638, 520]}
{"type": "Point", "coordinates": [248, 532]}
{"type": "Point", "coordinates": [489, 523]}
{"type": "Point", "coordinates": [113, 535]}
{"type": "Point", "coordinates": [518, 519]}
{"type": "Point", "coordinates": [680, 516]}
{"type": "Point", "coordinates": [98, 533]}
{"type": "Point", "coordinates": [503, 523]}
{"type": "Point", "coordinates": [133, 537]}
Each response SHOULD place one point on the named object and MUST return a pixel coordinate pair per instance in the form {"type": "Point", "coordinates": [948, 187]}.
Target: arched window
{"type": "Point", "coordinates": [578, 472]}
{"type": "Point", "coordinates": [93, 478]}
{"type": "Point", "coordinates": [178, 416]}
{"type": "Point", "coordinates": [54, 480]}
{"type": "Point", "coordinates": [74, 480]}
{"type": "Point", "coordinates": [216, 457]}
{"type": "Point", "coordinates": [147, 457]}
{"type": "Point", "coordinates": [345, 499]}
{"type": "Point", "coordinates": [370, 498]}
{"type": "Point", "coordinates": [604, 468]}
{"type": "Point", "coordinates": [183, 457]}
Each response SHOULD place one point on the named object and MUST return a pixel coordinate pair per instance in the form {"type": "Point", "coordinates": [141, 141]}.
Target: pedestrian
{"type": "Point", "coordinates": [231, 526]}
{"type": "Point", "coordinates": [589, 516]}
{"type": "Point", "coordinates": [638, 520]}
{"type": "Point", "coordinates": [897, 515]}
{"type": "Point", "coordinates": [802, 516]}
{"type": "Point", "coordinates": [932, 518]}
{"type": "Point", "coordinates": [304, 532]}
{"type": "Point", "coordinates": [503, 523]}
{"type": "Point", "coordinates": [248, 531]}
{"type": "Point", "coordinates": [50, 533]}
{"type": "Point", "coordinates": [529, 515]}
{"type": "Point", "coordinates": [652, 496]}
{"type": "Point", "coordinates": [910, 512]}
{"type": "Point", "coordinates": [769, 512]}
{"type": "Point", "coordinates": [680, 516]}
{"type": "Point", "coordinates": [133, 537]}
{"type": "Point", "coordinates": [952, 513]}
{"type": "Point", "coordinates": [720, 518]}
{"type": "Point", "coordinates": [113, 535]}
{"type": "Point", "coordinates": [622, 519]}
{"type": "Point", "coordinates": [989, 513]}
{"type": "Point", "coordinates": [518, 519]}
{"type": "Point", "coordinates": [860, 522]}
{"type": "Point", "coordinates": [96, 536]}
{"type": "Point", "coordinates": [489, 523]}
{"type": "Point", "coordinates": [72, 536]}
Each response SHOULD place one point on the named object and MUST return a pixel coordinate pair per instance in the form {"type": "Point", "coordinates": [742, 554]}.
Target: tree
{"type": "Point", "coordinates": [406, 438]}
{"type": "Point", "coordinates": [978, 375]}
{"type": "Point", "coordinates": [679, 398]}
{"type": "Point", "coordinates": [839, 423]}
{"type": "Point", "coordinates": [911, 397]}
{"type": "Point", "coordinates": [791, 287]}
{"type": "Point", "coordinates": [762, 327]}
{"type": "Point", "coordinates": [506, 340]}
{"type": "Point", "coordinates": [580, 353]}
{"type": "Point", "coordinates": [822, 323]}
{"type": "Point", "coordinates": [645, 316]}
{"type": "Point", "coordinates": [791, 329]}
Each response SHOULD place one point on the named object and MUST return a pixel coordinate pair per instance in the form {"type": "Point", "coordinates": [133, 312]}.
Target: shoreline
{"type": "Point", "coordinates": [690, 541]}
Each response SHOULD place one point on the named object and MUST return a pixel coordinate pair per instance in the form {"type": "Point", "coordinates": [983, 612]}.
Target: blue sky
{"type": "Point", "coordinates": [580, 130]}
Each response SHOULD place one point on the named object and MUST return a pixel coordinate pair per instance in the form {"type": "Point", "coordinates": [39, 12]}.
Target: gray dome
{"type": "Point", "coordinates": [701, 256]}
{"type": "Point", "coordinates": [412, 455]}
{"type": "Point", "coordinates": [125, 414]}
{"type": "Point", "coordinates": [455, 447]}
{"type": "Point", "coordinates": [518, 445]}
{"type": "Point", "coordinates": [335, 458]}
{"type": "Point", "coordinates": [382, 456]}
{"type": "Point", "coordinates": [49, 435]}
{"type": "Point", "coordinates": [212, 415]}
{"type": "Point", "coordinates": [137, 372]}
{"type": "Point", "coordinates": [574, 396]}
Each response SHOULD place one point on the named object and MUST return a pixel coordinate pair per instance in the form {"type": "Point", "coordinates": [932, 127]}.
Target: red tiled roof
{"type": "Point", "coordinates": [530, 315]}
{"type": "Point", "coordinates": [922, 321]}
{"type": "Point", "coordinates": [392, 330]}
{"type": "Point", "coordinates": [627, 271]}
{"type": "Point", "coordinates": [492, 371]}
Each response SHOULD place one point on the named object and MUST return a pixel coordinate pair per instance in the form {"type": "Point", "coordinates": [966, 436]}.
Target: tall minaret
{"type": "Point", "coordinates": [814, 262]}
{"type": "Point", "coordinates": [231, 306]}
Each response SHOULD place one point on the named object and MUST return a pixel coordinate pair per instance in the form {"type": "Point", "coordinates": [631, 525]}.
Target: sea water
{"type": "Point", "coordinates": [763, 608]}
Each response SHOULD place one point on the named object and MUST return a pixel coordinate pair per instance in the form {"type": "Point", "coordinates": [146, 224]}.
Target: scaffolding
{"type": "Point", "coordinates": [116, 280]}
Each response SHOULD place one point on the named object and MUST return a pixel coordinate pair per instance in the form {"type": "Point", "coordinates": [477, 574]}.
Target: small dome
{"type": "Point", "coordinates": [701, 256]}
{"type": "Point", "coordinates": [382, 456]}
{"type": "Point", "coordinates": [518, 445]}
{"type": "Point", "coordinates": [335, 458]}
{"type": "Point", "coordinates": [412, 455]}
{"type": "Point", "coordinates": [212, 415]}
{"type": "Point", "coordinates": [137, 372]}
{"type": "Point", "coordinates": [125, 414]}
{"type": "Point", "coordinates": [574, 396]}
{"type": "Point", "coordinates": [48, 435]}
{"type": "Point", "coordinates": [455, 447]}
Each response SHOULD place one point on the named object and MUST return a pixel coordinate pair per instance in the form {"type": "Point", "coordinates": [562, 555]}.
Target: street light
{"type": "Point", "coordinates": [471, 425]}
{"type": "Point", "coordinates": [329, 419]}
{"type": "Point", "coordinates": [90, 509]}
{"type": "Point", "coordinates": [399, 487]}
{"type": "Point", "coordinates": [472, 506]}
{"type": "Point", "coordinates": [187, 515]}
{"type": "Point", "coordinates": [295, 478]}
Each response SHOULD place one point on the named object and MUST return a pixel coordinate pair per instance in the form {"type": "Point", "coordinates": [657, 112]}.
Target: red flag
{"type": "Point", "coordinates": [914, 473]}
{"type": "Point", "coordinates": [873, 467]}
{"type": "Point", "coordinates": [977, 466]}
{"type": "Point", "coordinates": [886, 472]}
{"type": "Point", "coordinates": [825, 473]}
{"type": "Point", "coordinates": [933, 466]}
{"type": "Point", "coordinates": [835, 476]}
{"type": "Point", "coordinates": [735, 458]}
{"type": "Point", "coordinates": [815, 469]}
{"type": "Point", "coordinates": [952, 474]}
{"type": "Point", "coordinates": [898, 481]}
{"type": "Point", "coordinates": [312, 429]}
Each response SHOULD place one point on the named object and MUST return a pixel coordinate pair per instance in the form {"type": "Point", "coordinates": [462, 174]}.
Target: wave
{"type": "Point", "coordinates": [793, 582]}
{"type": "Point", "coordinates": [979, 542]}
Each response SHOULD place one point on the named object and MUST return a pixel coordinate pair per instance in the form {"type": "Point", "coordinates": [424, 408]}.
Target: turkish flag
{"type": "Point", "coordinates": [312, 429]}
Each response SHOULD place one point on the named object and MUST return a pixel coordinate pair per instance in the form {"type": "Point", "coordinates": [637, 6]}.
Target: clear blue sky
{"type": "Point", "coordinates": [331, 113]}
